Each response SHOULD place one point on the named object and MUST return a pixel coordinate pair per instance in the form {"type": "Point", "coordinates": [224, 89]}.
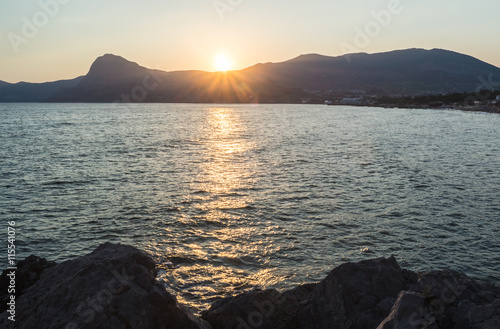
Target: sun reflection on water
{"type": "Point", "coordinates": [223, 251]}
{"type": "Point", "coordinates": [224, 168]}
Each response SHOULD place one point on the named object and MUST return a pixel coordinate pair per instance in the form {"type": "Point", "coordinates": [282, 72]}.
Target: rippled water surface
{"type": "Point", "coordinates": [231, 197]}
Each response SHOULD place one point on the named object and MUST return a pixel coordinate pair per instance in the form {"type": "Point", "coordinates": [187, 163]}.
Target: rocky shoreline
{"type": "Point", "coordinates": [115, 286]}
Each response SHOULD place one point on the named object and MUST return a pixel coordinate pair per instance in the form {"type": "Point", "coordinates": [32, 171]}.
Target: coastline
{"type": "Point", "coordinates": [482, 108]}
{"type": "Point", "coordinates": [115, 286]}
{"type": "Point", "coordinates": [485, 108]}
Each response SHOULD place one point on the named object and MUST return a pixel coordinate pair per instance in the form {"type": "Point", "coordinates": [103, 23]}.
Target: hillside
{"type": "Point", "coordinates": [403, 72]}
{"type": "Point", "coordinates": [412, 71]}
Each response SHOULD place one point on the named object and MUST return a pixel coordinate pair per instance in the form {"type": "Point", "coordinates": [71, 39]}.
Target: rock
{"type": "Point", "coordinates": [28, 273]}
{"type": "Point", "coordinates": [480, 314]}
{"type": "Point", "coordinates": [496, 303]}
{"type": "Point", "coordinates": [356, 295]}
{"type": "Point", "coordinates": [254, 309]}
{"type": "Point", "coordinates": [369, 294]}
{"type": "Point", "coordinates": [112, 287]}
{"type": "Point", "coordinates": [115, 287]}
{"type": "Point", "coordinates": [259, 309]}
{"type": "Point", "coordinates": [299, 294]}
{"type": "Point", "coordinates": [458, 301]}
{"type": "Point", "coordinates": [493, 323]}
{"type": "Point", "coordinates": [410, 311]}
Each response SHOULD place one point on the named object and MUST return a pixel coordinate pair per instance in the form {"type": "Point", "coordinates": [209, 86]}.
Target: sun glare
{"type": "Point", "coordinates": [223, 63]}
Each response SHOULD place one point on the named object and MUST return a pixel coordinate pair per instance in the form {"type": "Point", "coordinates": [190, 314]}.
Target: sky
{"type": "Point", "coordinates": [48, 40]}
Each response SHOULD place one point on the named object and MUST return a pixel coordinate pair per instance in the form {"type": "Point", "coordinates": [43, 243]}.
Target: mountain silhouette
{"type": "Point", "coordinates": [110, 70]}
{"type": "Point", "coordinates": [112, 78]}
{"type": "Point", "coordinates": [34, 92]}
{"type": "Point", "coordinates": [411, 71]}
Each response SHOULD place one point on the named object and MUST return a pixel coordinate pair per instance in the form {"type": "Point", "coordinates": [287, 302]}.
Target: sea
{"type": "Point", "coordinates": [228, 198]}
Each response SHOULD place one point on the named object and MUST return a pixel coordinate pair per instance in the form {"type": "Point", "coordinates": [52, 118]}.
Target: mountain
{"type": "Point", "coordinates": [413, 71]}
{"type": "Point", "coordinates": [114, 79]}
{"type": "Point", "coordinates": [34, 92]}
{"type": "Point", "coordinates": [107, 78]}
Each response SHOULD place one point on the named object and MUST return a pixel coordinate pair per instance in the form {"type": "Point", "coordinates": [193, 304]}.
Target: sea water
{"type": "Point", "coordinates": [231, 197]}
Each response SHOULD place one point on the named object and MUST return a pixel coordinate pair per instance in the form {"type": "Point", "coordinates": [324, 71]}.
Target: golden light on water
{"type": "Point", "coordinates": [225, 173]}
{"type": "Point", "coordinates": [226, 258]}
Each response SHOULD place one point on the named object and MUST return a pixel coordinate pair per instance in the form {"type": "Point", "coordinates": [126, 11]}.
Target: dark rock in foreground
{"type": "Point", "coordinates": [370, 294]}
{"type": "Point", "coordinates": [253, 309]}
{"type": "Point", "coordinates": [115, 287]}
{"type": "Point", "coordinates": [356, 295]}
{"type": "Point", "coordinates": [28, 273]}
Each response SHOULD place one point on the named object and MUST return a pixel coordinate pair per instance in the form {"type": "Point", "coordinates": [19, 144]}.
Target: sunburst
{"type": "Point", "coordinates": [223, 63]}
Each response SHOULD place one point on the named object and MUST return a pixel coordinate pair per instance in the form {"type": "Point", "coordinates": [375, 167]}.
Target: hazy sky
{"type": "Point", "coordinates": [46, 40]}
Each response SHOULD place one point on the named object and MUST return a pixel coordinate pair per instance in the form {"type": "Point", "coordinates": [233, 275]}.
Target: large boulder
{"type": "Point", "coordinates": [253, 309]}
{"type": "Point", "coordinates": [113, 287]}
{"type": "Point", "coordinates": [258, 309]}
{"type": "Point", "coordinates": [411, 310]}
{"type": "Point", "coordinates": [448, 300]}
{"type": "Point", "coordinates": [356, 295]}
{"type": "Point", "coordinates": [458, 301]}
{"type": "Point", "coordinates": [27, 274]}
{"type": "Point", "coordinates": [353, 295]}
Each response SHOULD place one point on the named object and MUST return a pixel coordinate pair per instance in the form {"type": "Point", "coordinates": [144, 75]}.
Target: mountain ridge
{"type": "Point", "coordinates": [398, 72]}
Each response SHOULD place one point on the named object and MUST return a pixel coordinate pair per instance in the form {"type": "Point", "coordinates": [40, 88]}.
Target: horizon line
{"type": "Point", "coordinates": [259, 63]}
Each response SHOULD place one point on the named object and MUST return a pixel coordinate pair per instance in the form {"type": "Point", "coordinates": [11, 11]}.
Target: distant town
{"type": "Point", "coordinates": [484, 100]}
{"type": "Point", "coordinates": [408, 78]}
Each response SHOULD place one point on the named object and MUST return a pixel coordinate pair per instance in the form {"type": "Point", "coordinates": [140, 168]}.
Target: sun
{"type": "Point", "coordinates": [223, 63]}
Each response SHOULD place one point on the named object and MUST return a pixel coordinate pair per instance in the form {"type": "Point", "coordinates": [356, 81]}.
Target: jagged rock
{"type": "Point", "coordinates": [458, 301]}
{"type": "Point", "coordinates": [253, 309]}
{"type": "Point", "coordinates": [410, 311]}
{"type": "Point", "coordinates": [28, 273]}
{"type": "Point", "coordinates": [299, 294]}
{"type": "Point", "coordinates": [113, 287]}
{"type": "Point", "coordinates": [356, 295]}
{"type": "Point", "coordinates": [449, 300]}
{"type": "Point", "coordinates": [259, 309]}
{"type": "Point", "coordinates": [479, 314]}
